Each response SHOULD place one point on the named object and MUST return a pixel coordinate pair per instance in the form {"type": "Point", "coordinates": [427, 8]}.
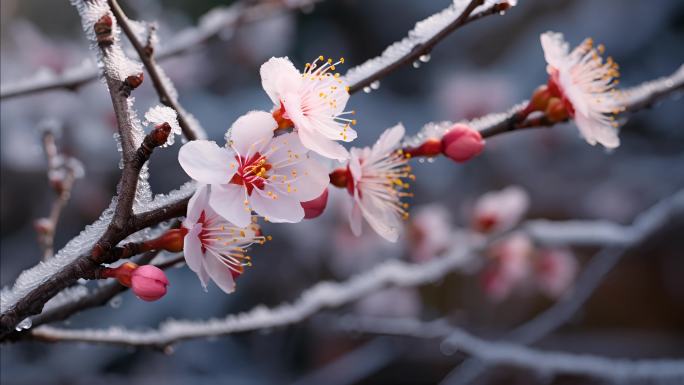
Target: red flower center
{"type": "Point", "coordinates": [556, 90]}
{"type": "Point", "coordinates": [252, 172]}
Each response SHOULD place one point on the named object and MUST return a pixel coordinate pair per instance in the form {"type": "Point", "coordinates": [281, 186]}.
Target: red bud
{"type": "Point", "coordinates": [315, 207]}
{"type": "Point", "coordinates": [462, 143]}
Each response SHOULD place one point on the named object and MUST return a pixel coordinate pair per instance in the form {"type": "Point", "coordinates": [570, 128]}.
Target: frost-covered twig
{"type": "Point", "coordinates": [644, 226]}
{"type": "Point", "coordinates": [505, 353]}
{"type": "Point", "coordinates": [62, 173]}
{"type": "Point", "coordinates": [216, 21]}
{"type": "Point", "coordinates": [321, 295]}
{"type": "Point", "coordinates": [422, 39]}
{"type": "Point", "coordinates": [162, 84]}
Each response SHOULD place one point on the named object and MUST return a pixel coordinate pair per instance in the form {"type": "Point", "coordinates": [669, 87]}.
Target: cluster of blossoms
{"type": "Point", "coordinates": [514, 262]}
{"type": "Point", "coordinates": [271, 165]}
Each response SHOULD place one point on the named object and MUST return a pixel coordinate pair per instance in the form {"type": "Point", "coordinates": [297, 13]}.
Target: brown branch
{"type": "Point", "coordinates": [426, 47]}
{"type": "Point", "coordinates": [146, 54]}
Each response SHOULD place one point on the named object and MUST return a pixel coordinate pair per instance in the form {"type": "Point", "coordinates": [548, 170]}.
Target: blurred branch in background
{"type": "Point", "coordinates": [216, 21]}
{"type": "Point", "coordinates": [505, 353]}
{"type": "Point", "coordinates": [647, 224]}
{"type": "Point", "coordinates": [63, 170]}
{"type": "Point", "coordinates": [332, 294]}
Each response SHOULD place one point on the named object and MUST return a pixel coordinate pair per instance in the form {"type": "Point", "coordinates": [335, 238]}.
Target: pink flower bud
{"type": "Point", "coordinates": [315, 207]}
{"type": "Point", "coordinates": [149, 282]}
{"type": "Point", "coordinates": [555, 271]}
{"type": "Point", "coordinates": [461, 143]}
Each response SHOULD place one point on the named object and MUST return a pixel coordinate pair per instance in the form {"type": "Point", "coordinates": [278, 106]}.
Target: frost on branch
{"type": "Point", "coordinates": [162, 114]}
{"type": "Point", "coordinates": [635, 97]}
{"type": "Point", "coordinates": [423, 31]}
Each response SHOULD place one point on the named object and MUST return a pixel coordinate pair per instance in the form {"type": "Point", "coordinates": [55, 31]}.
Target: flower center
{"type": "Point", "coordinates": [251, 172]}
{"type": "Point", "coordinates": [281, 117]}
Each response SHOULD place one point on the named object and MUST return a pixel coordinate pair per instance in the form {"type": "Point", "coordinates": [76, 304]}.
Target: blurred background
{"type": "Point", "coordinates": [485, 67]}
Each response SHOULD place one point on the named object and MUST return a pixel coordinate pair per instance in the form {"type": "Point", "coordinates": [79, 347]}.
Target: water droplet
{"type": "Point", "coordinates": [375, 85]}
{"type": "Point", "coordinates": [416, 64]}
{"type": "Point", "coordinates": [502, 13]}
{"type": "Point", "coordinates": [421, 160]}
{"type": "Point", "coordinates": [425, 58]}
{"type": "Point", "coordinates": [431, 159]}
{"type": "Point", "coordinates": [24, 325]}
{"type": "Point", "coordinates": [116, 302]}
{"type": "Point", "coordinates": [367, 89]}
{"type": "Point", "coordinates": [169, 350]}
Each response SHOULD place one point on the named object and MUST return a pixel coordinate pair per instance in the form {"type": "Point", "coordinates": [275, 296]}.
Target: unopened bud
{"type": "Point", "coordinates": [315, 207]}
{"type": "Point", "coordinates": [172, 241]}
{"type": "Point", "coordinates": [43, 226]}
{"type": "Point", "coordinates": [430, 147]}
{"type": "Point", "coordinates": [341, 178]}
{"type": "Point", "coordinates": [556, 111]}
{"type": "Point", "coordinates": [160, 134]}
{"type": "Point", "coordinates": [149, 282]}
{"type": "Point", "coordinates": [462, 143]}
{"type": "Point", "coordinates": [103, 30]}
{"type": "Point", "coordinates": [121, 273]}
{"type": "Point", "coordinates": [540, 99]}
{"type": "Point", "coordinates": [134, 81]}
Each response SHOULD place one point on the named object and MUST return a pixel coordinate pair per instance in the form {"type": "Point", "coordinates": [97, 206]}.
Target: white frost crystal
{"type": "Point", "coordinates": [162, 114]}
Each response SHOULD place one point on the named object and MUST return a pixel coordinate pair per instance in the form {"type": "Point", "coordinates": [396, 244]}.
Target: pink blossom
{"type": "Point", "coordinates": [555, 271]}
{"type": "Point", "coordinates": [585, 84]}
{"type": "Point", "coordinates": [313, 102]}
{"type": "Point", "coordinates": [500, 210]}
{"type": "Point", "coordinates": [213, 247]}
{"type": "Point", "coordinates": [256, 171]}
{"type": "Point", "coordinates": [149, 282]}
{"type": "Point", "coordinates": [431, 232]}
{"type": "Point", "coordinates": [377, 178]}
{"type": "Point", "coordinates": [462, 143]}
{"type": "Point", "coordinates": [509, 266]}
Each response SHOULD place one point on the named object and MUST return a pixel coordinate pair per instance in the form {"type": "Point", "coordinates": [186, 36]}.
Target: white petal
{"type": "Point", "coordinates": [282, 209]}
{"type": "Point", "coordinates": [305, 181]}
{"type": "Point", "coordinates": [279, 75]}
{"type": "Point", "coordinates": [204, 277]}
{"type": "Point", "coordinates": [228, 201]}
{"type": "Point", "coordinates": [594, 131]}
{"type": "Point", "coordinates": [219, 272]}
{"type": "Point", "coordinates": [388, 140]}
{"type": "Point", "coordinates": [555, 48]}
{"type": "Point", "coordinates": [252, 132]}
{"type": "Point", "coordinates": [196, 205]}
{"type": "Point", "coordinates": [322, 146]}
{"type": "Point", "coordinates": [206, 162]}
{"type": "Point", "coordinates": [378, 217]}
{"type": "Point", "coordinates": [355, 165]}
{"type": "Point", "coordinates": [192, 248]}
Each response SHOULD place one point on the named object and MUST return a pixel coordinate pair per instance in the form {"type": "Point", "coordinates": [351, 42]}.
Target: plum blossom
{"type": "Point", "coordinates": [510, 266]}
{"type": "Point", "coordinates": [256, 171]}
{"type": "Point", "coordinates": [213, 247]}
{"type": "Point", "coordinates": [431, 232]}
{"type": "Point", "coordinates": [500, 210]}
{"type": "Point", "coordinates": [312, 102]}
{"type": "Point", "coordinates": [376, 180]}
{"type": "Point", "coordinates": [555, 271]}
{"type": "Point", "coordinates": [585, 85]}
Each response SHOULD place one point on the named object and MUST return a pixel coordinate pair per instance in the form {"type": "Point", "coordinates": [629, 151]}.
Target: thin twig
{"type": "Point", "coordinates": [146, 54]}
{"type": "Point", "coordinates": [425, 48]}
{"type": "Point", "coordinates": [218, 20]}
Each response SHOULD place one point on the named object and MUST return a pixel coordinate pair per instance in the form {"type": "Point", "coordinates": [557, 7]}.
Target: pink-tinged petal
{"type": "Point", "coordinates": [555, 48]}
{"type": "Point", "coordinates": [355, 219]}
{"type": "Point", "coordinates": [252, 132]}
{"type": "Point", "coordinates": [286, 149]}
{"type": "Point", "coordinates": [355, 164]}
{"type": "Point", "coordinates": [306, 180]}
{"type": "Point", "coordinates": [281, 209]}
{"type": "Point", "coordinates": [388, 140]}
{"type": "Point", "coordinates": [206, 162]}
{"type": "Point", "coordinates": [593, 132]}
{"type": "Point", "coordinates": [229, 202]}
{"type": "Point", "coordinates": [322, 146]}
{"type": "Point", "coordinates": [386, 225]}
{"type": "Point", "coordinates": [219, 272]}
{"type": "Point", "coordinates": [203, 277]}
{"type": "Point", "coordinates": [279, 75]}
{"type": "Point", "coordinates": [198, 202]}
{"type": "Point", "coordinates": [192, 248]}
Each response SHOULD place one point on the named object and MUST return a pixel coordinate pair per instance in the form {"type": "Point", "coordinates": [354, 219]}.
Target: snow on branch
{"type": "Point", "coordinates": [422, 39]}
{"type": "Point", "coordinates": [332, 294]}
{"type": "Point", "coordinates": [216, 21]}
{"type": "Point", "coordinates": [505, 353]}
